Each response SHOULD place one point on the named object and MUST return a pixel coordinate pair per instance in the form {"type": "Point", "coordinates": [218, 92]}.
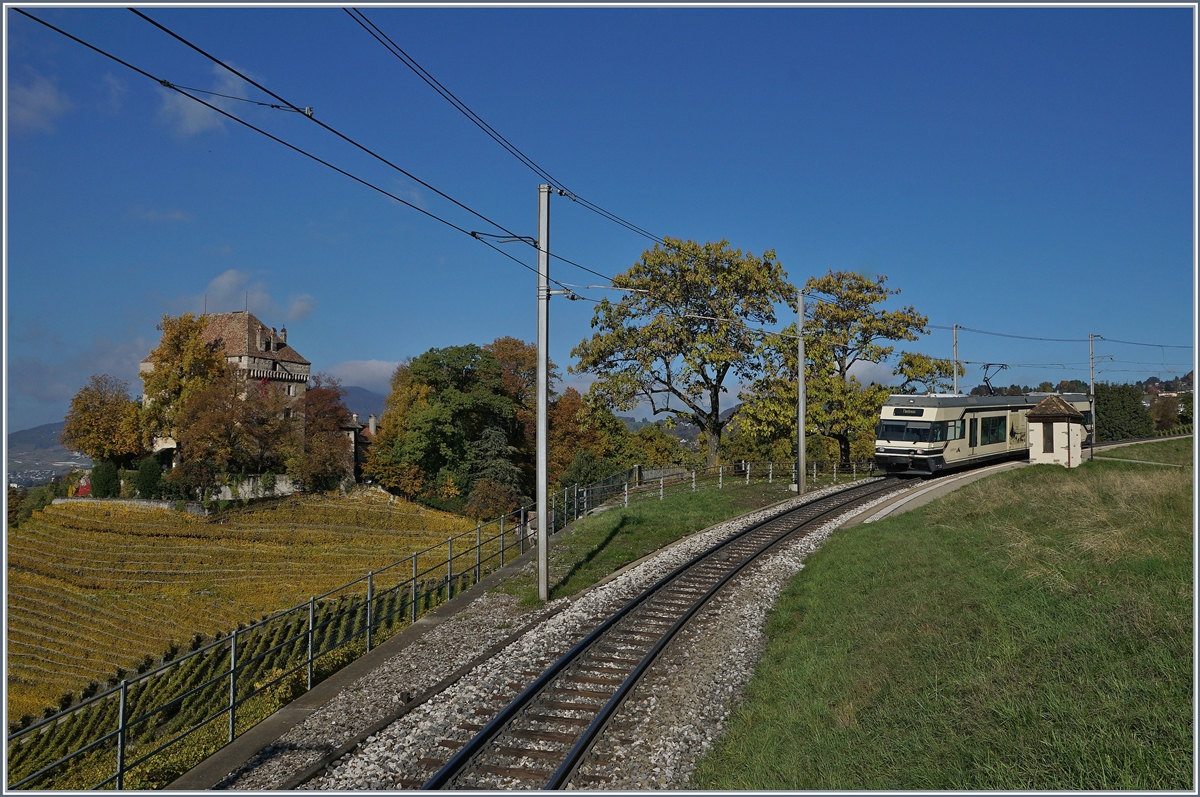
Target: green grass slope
{"type": "Point", "coordinates": [1033, 630]}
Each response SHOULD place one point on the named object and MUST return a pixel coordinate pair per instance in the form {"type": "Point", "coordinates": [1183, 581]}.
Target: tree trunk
{"type": "Point", "coordinates": [843, 447]}
{"type": "Point", "coordinates": [714, 445]}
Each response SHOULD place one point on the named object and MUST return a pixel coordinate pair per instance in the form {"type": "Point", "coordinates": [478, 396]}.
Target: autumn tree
{"type": "Point", "coordinates": [681, 332]}
{"type": "Point", "coordinates": [323, 455]}
{"type": "Point", "coordinates": [845, 327]}
{"type": "Point", "coordinates": [932, 374]}
{"type": "Point", "coordinates": [440, 406]}
{"type": "Point", "coordinates": [518, 374]}
{"type": "Point", "coordinates": [1165, 412]}
{"type": "Point", "coordinates": [207, 422]}
{"type": "Point", "coordinates": [103, 421]}
{"type": "Point", "coordinates": [183, 364]}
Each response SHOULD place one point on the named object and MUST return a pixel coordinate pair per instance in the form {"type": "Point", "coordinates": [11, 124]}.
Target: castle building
{"type": "Point", "coordinates": [257, 351]}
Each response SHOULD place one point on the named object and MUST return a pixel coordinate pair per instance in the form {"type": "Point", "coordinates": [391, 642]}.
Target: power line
{"type": "Point", "coordinates": [376, 33]}
{"type": "Point", "coordinates": [337, 133]}
{"type": "Point", "coordinates": [1151, 345]}
{"type": "Point", "coordinates": [308, 112]}
{"type": "Point", "coordinates": [275, 138]}
{"type": "Point", "coordinates": [1004, 335]}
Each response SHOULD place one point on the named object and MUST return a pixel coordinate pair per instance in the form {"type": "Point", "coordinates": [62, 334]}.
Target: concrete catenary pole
{"type": "Point", "coordinates": [800, 408]}
{"type": "Point", "coordinates": [1092, 393]}
{"type": "Point", "coordinates": [543, 391]}
{"type": "Point", "coordinates": [956, 359]}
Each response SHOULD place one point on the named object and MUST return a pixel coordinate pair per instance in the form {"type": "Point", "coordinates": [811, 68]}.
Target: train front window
{"type": "Point", "coordinates": [911, 431]}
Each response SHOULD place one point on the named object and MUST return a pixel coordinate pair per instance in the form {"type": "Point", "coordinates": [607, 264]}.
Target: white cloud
{"type": "Point", "coordinates": [300, 306]}
{"type": "Point", "coordinates": [189, 118]}
{"type": "Point", "coordinates": [374, 375]}
{"type": "Point", "coordinates": [51, 382]}
{"type": "Point", "coordinates": [113, 92]}
{"type": "Point", "coordinates": [36, 103]}
{"type": "Point", "coordinates": [156, 216]}
{"type": "Point", "coordinates": [880, 373]}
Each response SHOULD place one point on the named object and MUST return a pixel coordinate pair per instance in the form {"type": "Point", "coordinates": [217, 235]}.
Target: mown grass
{"type": "Point", "coordinates": [1172, 452]}
{"type": "Point", "coordinates": [605, 542]}
{"type": "Point", "coordinates": [1032, 630]}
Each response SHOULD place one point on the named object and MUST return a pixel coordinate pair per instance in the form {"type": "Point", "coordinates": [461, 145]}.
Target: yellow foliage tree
{"type": "Point", "coordinates": [103, 420]}
{"type": "Point", "coordinates": [184, 364]}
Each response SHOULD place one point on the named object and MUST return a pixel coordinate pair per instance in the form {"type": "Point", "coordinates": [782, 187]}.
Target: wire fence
{"type": "Point", "coordinates": [144, 731]}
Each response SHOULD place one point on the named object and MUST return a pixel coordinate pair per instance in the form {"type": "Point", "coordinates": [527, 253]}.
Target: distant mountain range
{"type": "Point", "coordinates": [364, 402]}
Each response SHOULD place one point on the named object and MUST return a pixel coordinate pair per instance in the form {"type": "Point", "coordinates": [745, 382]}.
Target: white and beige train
{"type": "Point", "coordinates": [920, 435]}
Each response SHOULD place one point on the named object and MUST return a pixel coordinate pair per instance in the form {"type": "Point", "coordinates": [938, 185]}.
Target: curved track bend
{"type": "Point", "coordinates": [539, 739]}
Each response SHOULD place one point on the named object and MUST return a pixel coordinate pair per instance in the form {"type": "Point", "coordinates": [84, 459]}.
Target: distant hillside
{"type": "Point", "coordinates": [44, 436]}
{"type": "Point", "coordinates": [35, 456]}
{"type": "Point", "coordinates": [363, 401]}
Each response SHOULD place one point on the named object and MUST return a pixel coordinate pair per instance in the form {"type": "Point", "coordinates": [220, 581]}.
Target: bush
{"type": "Point", "coordinates": [148, 480]}
{"type": "Point", "coordinates": [587, 468]}
{"type": "Point", "coordinates": [105, 482]}
{"type": "Point", "coordinates": [491, 499]}
{"type": "Point", "coordinates": [35, 499]}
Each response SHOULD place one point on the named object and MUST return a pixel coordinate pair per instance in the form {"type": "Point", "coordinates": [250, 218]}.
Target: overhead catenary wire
{"type": "Point", "coordinates": [508, 232]}
{"type": "Point", "coordinates": [377, 33]}
{"type": "Point", "coordinates": [277, 139]}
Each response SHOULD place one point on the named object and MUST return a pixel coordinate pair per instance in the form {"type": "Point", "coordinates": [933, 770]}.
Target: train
{"type": "Point", "coordinates": [926, 434]}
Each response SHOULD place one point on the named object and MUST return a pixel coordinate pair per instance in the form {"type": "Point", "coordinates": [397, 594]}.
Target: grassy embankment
{"type": "Point", "coordinates": [605, 542]}
{"type": "Point", "coordinates": [100, 586]}
{"type": "Point", "coordinates": [1032, 630]}
{"type": "Point", "coordinates": [1172, 452]}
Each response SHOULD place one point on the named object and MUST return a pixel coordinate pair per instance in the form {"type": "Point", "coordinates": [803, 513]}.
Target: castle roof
{"type": "Point", "coordinates": [238, 332]}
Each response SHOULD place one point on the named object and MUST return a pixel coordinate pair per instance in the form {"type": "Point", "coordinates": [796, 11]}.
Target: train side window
{"type": "Point", "coordinates": [974, 441]}
{"type": "Point", "coordinates": [992, 430]}
{"type": "Point", "coordinates": [956, 430]}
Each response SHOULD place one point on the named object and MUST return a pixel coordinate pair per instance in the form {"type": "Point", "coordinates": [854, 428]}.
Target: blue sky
{"type": "Point", "coordinates": [1026, 171]}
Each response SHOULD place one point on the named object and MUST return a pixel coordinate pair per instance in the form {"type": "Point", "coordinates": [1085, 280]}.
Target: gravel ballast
{"type": "Point", "coordinates": [666, 724]}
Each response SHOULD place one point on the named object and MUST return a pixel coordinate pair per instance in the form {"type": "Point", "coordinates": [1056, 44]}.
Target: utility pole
{"type": "Point", "coordinates": [800, 408]}
{"type": "Point", "coordinates": [543, 391]}
{"type": "Point", "coordinates": [1092, 392]}
{"type": "Point", "coordinates": [956, 359]}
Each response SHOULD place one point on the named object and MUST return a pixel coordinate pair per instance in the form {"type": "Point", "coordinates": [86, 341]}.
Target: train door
{"type": "Point", "coordinates": [973, 434]}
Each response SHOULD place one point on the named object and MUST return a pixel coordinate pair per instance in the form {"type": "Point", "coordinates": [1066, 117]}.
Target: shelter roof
{"type": "Point", "coordinates": [1054, 407]}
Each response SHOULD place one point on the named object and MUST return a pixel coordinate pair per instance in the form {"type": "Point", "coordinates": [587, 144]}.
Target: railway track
{"type": "Point", "coordinates": [539, 739]}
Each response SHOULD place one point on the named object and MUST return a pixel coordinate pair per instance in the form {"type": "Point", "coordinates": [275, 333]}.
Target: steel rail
{"type": "Point", "coordinates": [593, 731]}
{"type": "Point", "coordinates": [460, 761]}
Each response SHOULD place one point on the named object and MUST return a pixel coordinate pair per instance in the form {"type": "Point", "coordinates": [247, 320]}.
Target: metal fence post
{"type": "Point", "coordinates": [478, 551]}
{"type": "Point", "coordinates": [449, 564]}
{"type": "Point", "coordinates": [747, 474]}
{"type": "Point", "coordinates": [814, 474]}
{"type": "Point", "coordinates": [853, 471]}
{"type": "Point", "coordinates": [370, 600]}
{"type": "Point", "coordinates": [523, 529]}
{"type": "Point", "coordinates": [576, 503]}
{"type": "Point", "coordinates": [121, 735]}
{"type": "Point", "coordinates": [502, 540]}
{"type": "Point", "coordinates": [232, 682]}
{"type": "Point", "coordinates": [311, 619]}
{"type": "Point", "coordinates": [414, 590]}
{"type": "Point", "coordinates": [661, 481]}
{"type": "Point", "coordinates": [771, 473]}
{"type": "Point", "coordinates": [720, 477]}
{"type": "Point", "coordinates": [693, 480]}
{"type": "Point", "coordinates": [835, 473]}
{"type": "Point", "coordinates": [627, 494]}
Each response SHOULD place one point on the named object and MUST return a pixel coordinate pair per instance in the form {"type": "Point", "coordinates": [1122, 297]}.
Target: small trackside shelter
{"type": "Point", "coordinates": [1056, 433]}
